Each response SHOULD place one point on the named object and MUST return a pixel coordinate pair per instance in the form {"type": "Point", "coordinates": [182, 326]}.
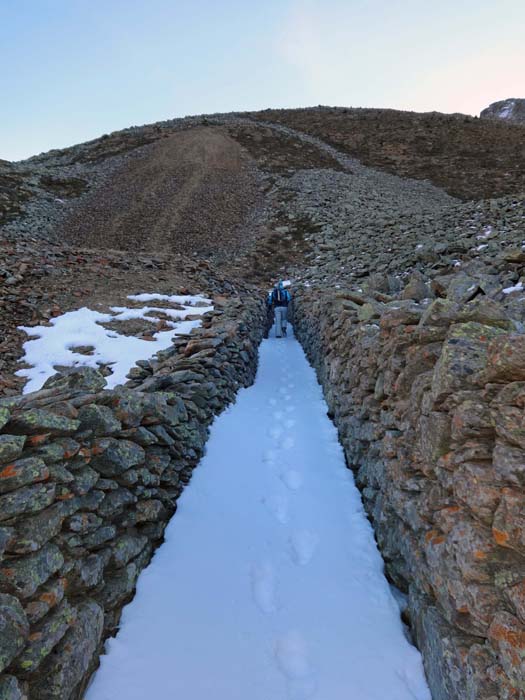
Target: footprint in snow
{"type": "Point", "coordinates": [292, 660]}
{"type": "Point", "coordinates": [269, 456]}
{"type": "Point", "coordinates": [303, 544]}
{"type": "Point", "coordinates": [275, 432]}
{"type": "Point", "coordinates": [288, 443]}
{"type": "Point", "coordinates": [292, 479]}
{"type": "Point", "coordinates": [263, 587]}
{"type": "Point", "coordinates": [277, 504]}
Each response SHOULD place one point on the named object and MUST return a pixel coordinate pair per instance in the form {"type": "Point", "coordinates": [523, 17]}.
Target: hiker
{"type": "Point", "coordinates": [278, 301]}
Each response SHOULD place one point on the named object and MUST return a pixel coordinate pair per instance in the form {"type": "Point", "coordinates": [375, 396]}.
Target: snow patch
{"type": "Point", "coordinates": [516, 288]}
{"type": "Point", "coordinates": [58, 345]}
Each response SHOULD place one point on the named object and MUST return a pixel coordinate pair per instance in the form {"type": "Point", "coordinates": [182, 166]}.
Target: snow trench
{"type": "Point", "coordinates": [269, 585]}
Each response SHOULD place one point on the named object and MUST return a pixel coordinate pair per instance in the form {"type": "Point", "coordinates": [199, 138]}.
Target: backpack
{"type": "Point", "coordinates": [280, 297]}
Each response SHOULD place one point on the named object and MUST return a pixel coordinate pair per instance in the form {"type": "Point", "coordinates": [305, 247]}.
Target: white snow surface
{"type": "Point", "coordinates": [516, 288]}
{"type": "Point", "coordinates": [269, 585]}
{"type": "Point", "coordinates": [54, 346]}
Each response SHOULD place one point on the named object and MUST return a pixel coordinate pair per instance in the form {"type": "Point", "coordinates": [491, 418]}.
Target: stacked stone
{"type": "Point", "coordinates": [428, 399]}
{"type": "Point", "coordinates": [89, 479]}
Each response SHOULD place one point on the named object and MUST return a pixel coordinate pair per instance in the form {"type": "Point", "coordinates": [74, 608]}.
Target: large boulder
{"type": "Point", "coordinates": [510, 110]}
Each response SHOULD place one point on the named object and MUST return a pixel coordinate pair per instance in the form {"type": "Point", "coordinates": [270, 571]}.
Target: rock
{"type": "Point", "coordinates": [112, 457]}
{"type": "Point", "coordinates": [119, 586]}
{"type": "Point", "coordinates": [36, 420]}
{"type": "Point", "coordinates": [99, 419]}
{"type": "Point", "coordinates": [66, 667]}
{"type": "Point", "coordinates": [11, 447]}
{"type": "Point", "coordinates": [506, 358]}
{"type": "Point", "coordinates": [127, 547]}
{"type": "Point", "coordinates": [77, 378]}
{"type": "Point", "coordinates": [10, 689]}
{"type": "Point", "coordinates": [88, 573]}
{"type": "Point", "coordinates": [416, 288]}
{"type": "Point", "coordinates": [45, 637]}
{"type": "Point", "coordinates": [509, 463]}
{"type": "Point", "coordinates": [48, 596]}
{"type": "Point", "coordinates": [23, 575]}
{"type": "Point", "coordinates": [6, 535]}
{"type": "Point", "coordinates": [508, 526]}
{"type": "Point", "coordinates": [22, 472]}
{"type": "Point", "coordinates": [150, 510]}
{"type": "Point", "coordinates": [58, 450]}
{"type": "Point", "coordinates": [507, 636]}
{"type": "Point", "coordinates": [463, 358]}
{"type": "Point", "coordinates": [510, 110]}
{"type": "Point", "coordinates": [26, 500]}
{"type": "Point", "coordinates": [99, 537]}
{"type": "Point", "coordinates": [4, 416]}
{"type": "Point", "coordinates": [34, 531]}
{"type": "Point", "coordinates": [114, 502]}
{"type": "Point", "coordinates": [14, 629]}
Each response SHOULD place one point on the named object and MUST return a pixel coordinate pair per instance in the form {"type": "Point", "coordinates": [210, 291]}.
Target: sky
{"type": "Point", "coordinates": [75, 69]}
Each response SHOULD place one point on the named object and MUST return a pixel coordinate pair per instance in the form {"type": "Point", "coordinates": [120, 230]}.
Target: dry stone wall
{"type": "Point", "coordinates": [429, 402]}
{"type": "Point", "coordinates": [89, 479]}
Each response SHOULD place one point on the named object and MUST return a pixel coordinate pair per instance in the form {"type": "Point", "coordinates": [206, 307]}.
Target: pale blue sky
{"type": "Point", "coordinates": [75, 69]}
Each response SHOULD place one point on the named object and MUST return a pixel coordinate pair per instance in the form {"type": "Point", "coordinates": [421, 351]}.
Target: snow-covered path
{"type": "Point", "coordinates": [269, 585]}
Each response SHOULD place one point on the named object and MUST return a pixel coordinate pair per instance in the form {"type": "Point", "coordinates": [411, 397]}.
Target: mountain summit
{"type": "Point", "coordinates": [511, 110]}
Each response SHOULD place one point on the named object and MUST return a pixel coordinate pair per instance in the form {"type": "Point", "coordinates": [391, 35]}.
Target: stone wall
{"type": "Point", "coordinates": [89, 479]}
{"type": "Point", "coordinates": [429, 402]}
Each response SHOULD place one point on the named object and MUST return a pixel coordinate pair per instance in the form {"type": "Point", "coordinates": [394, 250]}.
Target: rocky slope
{"type": "Point", "coordinates": [511, 110]}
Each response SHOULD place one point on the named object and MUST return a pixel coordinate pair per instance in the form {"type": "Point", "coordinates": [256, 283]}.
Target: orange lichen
{"type": "Point", "coordinates": [501, 537]}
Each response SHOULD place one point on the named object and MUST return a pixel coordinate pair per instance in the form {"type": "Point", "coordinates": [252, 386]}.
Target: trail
{"type": "Point", "coordinates": [269, 585]}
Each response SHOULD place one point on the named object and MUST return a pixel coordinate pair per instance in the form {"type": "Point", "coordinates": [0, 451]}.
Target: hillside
{"type": "Point", "coordinates": [403, 236]}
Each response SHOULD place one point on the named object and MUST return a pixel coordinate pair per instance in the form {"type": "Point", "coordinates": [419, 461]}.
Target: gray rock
{"type": "Point", "coordinates": [45, 637]}
{"type": "Point", "coordinates": [112, 457]}
{"type": "Point", "coordinates": [14, 629]}
{"type": "Point", "coordinates": [99, 419]}
{"type": "Point", "coordinates": [10, 689]}
{"type": "Point", "coordinates": [22, 472]}
{"type": "Point", "coordinates": [11, 447]}
{"type": "Point", "coordinates": [66, 667]}
{"type": "Point", "coordinates": [22, 576]}
{"type": "Point", "coordinates": [36, 420]}
{"type": "Point", "coordinates": [26, 500]}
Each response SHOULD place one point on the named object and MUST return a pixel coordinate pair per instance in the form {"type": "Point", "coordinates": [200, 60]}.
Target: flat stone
{"type": "Point", "coordinates": [22, 472]}
{"type": "Point", "coordinates": [118, 586]}
{"type": "Point", "coordinates": [463, 358]}
{"type": "Point", "coordinates": [22, 576]}
{"type": "Point", "coordinates": [11, 447]}
{"type": "Point", "coordinates": [506, 358]}
{"type": "Point", "coordinates": [10, 689]}
{"type": "Point", "coordinates": [85, 379]}
{"type": "Point", "coordinates": [48, 596]}
{"type": "Point", "coordinates": [99, 419]}
{"type": "Point", "coordinates": [115, 501]}
{"type": "Point", "coordinates": [14, 629]}
{"type": "Point", "coordinates": [112, 456]}
{"type": "Point", "coordinates": [126, 548]}
{"type": "Point", "coordinates": [4, 416]}
{"type": "Point", "coordinates": [45, 637]}
{"type": "Point", "coordinates": [99, 537]}
{"type": "Point", "coordinates": [67, 665]}
{"type": "Point", "coordinates": [34, 531]}
{"type": "Point", "coordinates": [37, 420]}
{"type": "Point", "coordinates": [58, 450]}
{"type": "Point", "coordinates": [26, 500]}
